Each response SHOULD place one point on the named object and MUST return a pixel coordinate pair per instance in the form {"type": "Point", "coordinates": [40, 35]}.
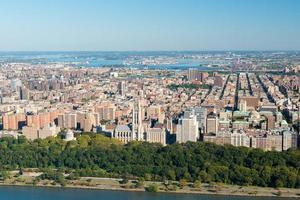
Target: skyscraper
{"type": "Point", "coordinates": [187, 128]}
{"type": "Point", "coordinates": [195, 74]}
{"type": "Point", "coordinates": [212, 124]}
{"type": "Point", "coordinates": [121, 88]}
{"type": "Point", "coordinates": [201, 115]}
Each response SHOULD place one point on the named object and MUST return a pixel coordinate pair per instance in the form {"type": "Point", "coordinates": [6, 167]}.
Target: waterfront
{"type": "Point", "coordinates": [36, 193]}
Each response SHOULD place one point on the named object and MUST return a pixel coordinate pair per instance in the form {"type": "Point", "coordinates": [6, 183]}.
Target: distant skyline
{"type": "Point", "coordinates": [149, 25]}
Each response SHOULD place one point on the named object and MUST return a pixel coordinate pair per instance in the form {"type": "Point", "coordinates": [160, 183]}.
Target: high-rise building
{"type": "Point", "coordinates": [212, 124]}
{"type": "Point", "coordinates": [195, 74]}
{"type": "Point", "coordinates": [218, 81]}
{"type": "Point", "coordinates": [121, 88]}
{"type": "Point", "coordinates": [192, 74]}
{"type": "Point", "coordinates": [23, 93]}
{"type": "Point", "coordinates": [201, 115]}
{"type": "Point", "coordinates": [13, 121]}
{"type": "Point", "coordinates": [106, 111]}
{"type": "Point", "coordinates": [70, 121]}
{"type": "Point", "coordinates": [187, 128]}
{"type": "Point", "coordinates": [61, 120]}
{"type": "Point", "coordinates": [88, 122]}
{"type": "Point", "coordinates": [289, 140]}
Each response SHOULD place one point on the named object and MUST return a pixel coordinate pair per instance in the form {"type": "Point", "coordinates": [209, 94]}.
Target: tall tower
{"type": "Point", "coordinates": [137, 119]}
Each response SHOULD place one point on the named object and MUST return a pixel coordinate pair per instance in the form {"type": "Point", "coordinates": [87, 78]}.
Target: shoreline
{"type": "Point", "coordinates": [227, 190]}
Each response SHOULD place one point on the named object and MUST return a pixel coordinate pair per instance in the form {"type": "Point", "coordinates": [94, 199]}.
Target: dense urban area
{"type": "Point", "coordinates": [235, 121]}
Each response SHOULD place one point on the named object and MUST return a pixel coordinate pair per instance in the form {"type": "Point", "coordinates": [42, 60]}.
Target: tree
{"type": "Point", "coordinates": [197, 184]}
{"type": "Point", "coordinates": [4, 175]}
{"type": "Point", "coordinates": [140, 183]}
{"type": "Point", "coordinates": [147, 177]}
{"type": "Point", "coordinates": [99, 156]}
{"type": "Point", "coordinates": [83, 141]}
{"type": "Point", "coordinates": [152, 188]}
{"type": "Point", "coordinates": [183, 183]}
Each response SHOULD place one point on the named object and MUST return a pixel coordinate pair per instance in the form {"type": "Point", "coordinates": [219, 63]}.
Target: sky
{"type": "Point", "coordinates": [149, 25]}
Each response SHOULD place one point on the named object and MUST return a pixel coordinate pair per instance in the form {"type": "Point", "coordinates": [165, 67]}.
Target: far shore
{"type": "Point", "coordinates": [114, 184]}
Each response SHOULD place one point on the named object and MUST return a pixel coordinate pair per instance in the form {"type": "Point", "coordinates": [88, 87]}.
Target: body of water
{"type": "Point", "coordinates": [43, 193]}
{"type": "Point", "coordinates": [100, 59]}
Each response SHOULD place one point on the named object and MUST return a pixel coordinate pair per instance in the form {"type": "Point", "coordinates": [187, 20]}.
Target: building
{"type": "Point", "coordinates": [193, 74]}
{"type": "Point", "coordinates": [289, 140]}
{"type": "Point", "coordinates": [251, 101]}
{"type": "Point", "coordinates": [122, 133]}
{"type": "Point", "coordinates": [212, 124]}
{"type": "Point", "coordinates": [31, 133]}
{"type": "Point", "coordinates": [156, 135]}
{"type": "Point", "coordinates": [240, 139]}
{"type": "Point", "coordinates": [137, 121]}
{"type": "Point", "coordinates": [201, 115]}
{"type": "Point", "coordinates": [69, 136]}
{"type": "Point", "coordinates": [240, 124]}
{"type": "Point", "coordinates": [106, 111]}
{"type": "Point", "coordinates": [121, 88]}
{"type": "Point", "coordinates": [48, 131]}
{"type": "Point", "coordinates": [226, 137]}
{"type": "Point", "coordinates": [70, 121]}
{"type": "Point", "coordinates": [243, 106]}
{"type": "Point", "coordinates": [153, 112]}
{"type": "Point", "coordinates": [187, 128]}
{"type": "Point", "coordinates": [218, 81]}
{"type": "Point", "coordinates": [13, 121]}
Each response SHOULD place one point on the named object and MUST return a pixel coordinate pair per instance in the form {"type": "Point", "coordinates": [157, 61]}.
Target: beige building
{"type": "Point", "coordinates": [235, 139]}
{"type": "Point", "coordinates": [31, 133]}
{"type": "Point", "coordinates": [156, 135]}
{"type": "Point", "coordinates": [106, 111]}
{"type": "Point", "coordinates": [212, 124]}
{"type": "Point", "coordinates": [48, 131]}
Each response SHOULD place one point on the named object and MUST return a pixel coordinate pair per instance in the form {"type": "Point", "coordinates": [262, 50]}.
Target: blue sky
{"type": "Point", "coordinates": [33, 25]}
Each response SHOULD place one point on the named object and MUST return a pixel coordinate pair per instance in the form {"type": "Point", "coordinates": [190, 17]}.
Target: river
{"type": "Point", "coordinates": [43, 193]}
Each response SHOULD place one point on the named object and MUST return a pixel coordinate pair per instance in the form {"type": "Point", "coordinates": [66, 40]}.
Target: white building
{"type": "Point", "coordinates": [187, 128]}
{"type": "Point", "coordinates": [48, 131]}
{"type": "Point", "coordinates": [69, 136]}
{"type": "Point", "coordinates": [122, 133]}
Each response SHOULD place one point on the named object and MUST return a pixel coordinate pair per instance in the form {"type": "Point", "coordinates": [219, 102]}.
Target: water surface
{"type": "Point", "coordinates": [41, 193]}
